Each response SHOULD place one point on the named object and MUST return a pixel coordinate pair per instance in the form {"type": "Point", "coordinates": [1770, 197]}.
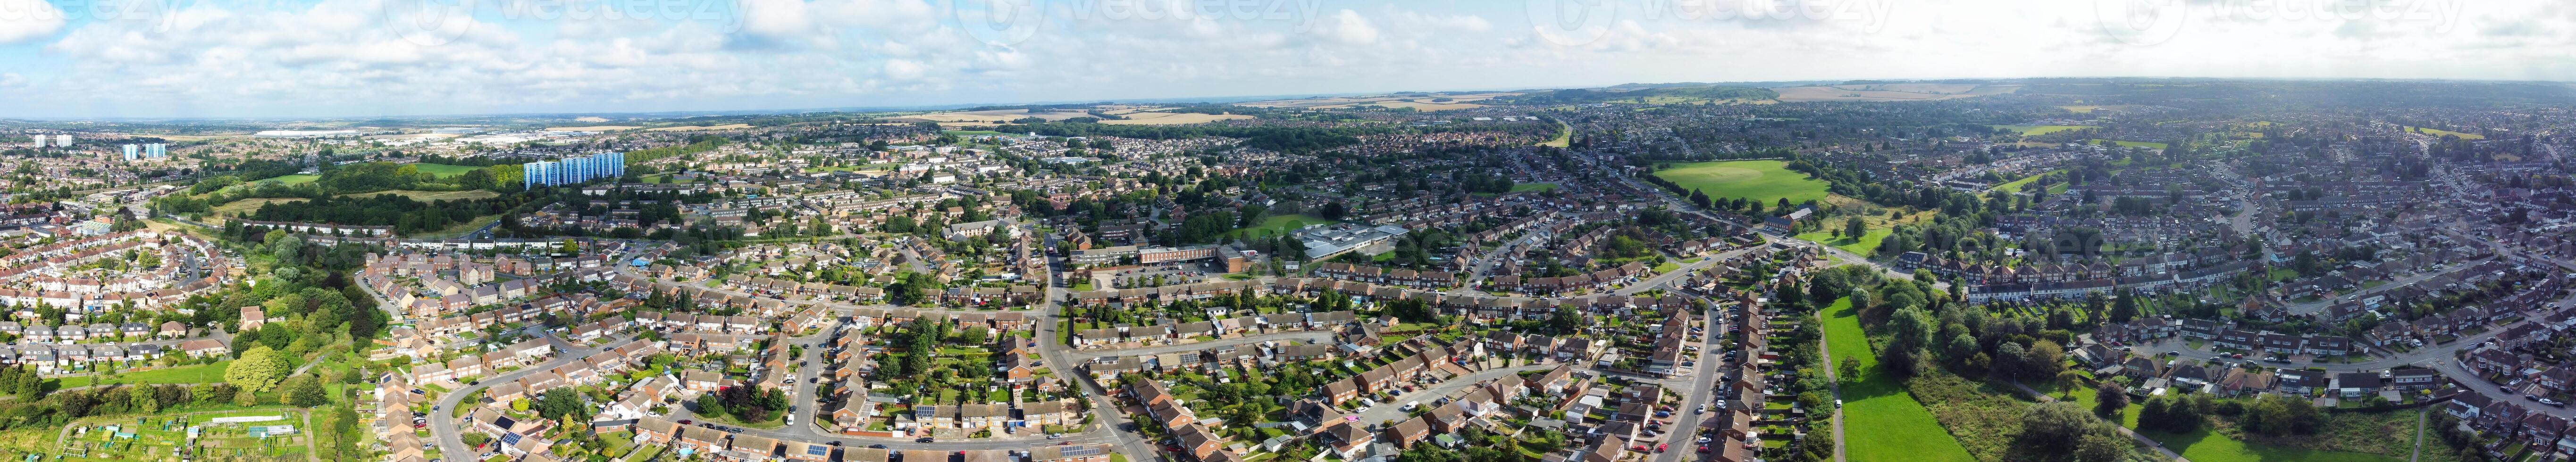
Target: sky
{"type": "Point", "coordinates": [357, 58]}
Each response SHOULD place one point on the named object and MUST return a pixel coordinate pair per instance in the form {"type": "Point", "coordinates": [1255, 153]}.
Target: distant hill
{"type": "Point", "coordinates": [1587, 96]}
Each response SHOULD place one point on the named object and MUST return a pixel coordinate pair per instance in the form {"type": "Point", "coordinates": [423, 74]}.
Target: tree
{"type": "Point", "coordinates": [1427, 453]}
{"type": "Point", "coordinates": [2044, 359]}
{"type": "Point", "coordinates": [2109, 399]}
{"type": "Point", "coordinates": [1855, 227]}
{"type": "Point", "coordinates": [2060, 431]}
{"type": "Point", "coordinates": [145, 398]}
{"type": "Point", "coordinates": [306, 391]}
{"type": "Point", "coordinates": [708, 404]}
{"type": "Point", "coordinates": [560, 402]}
{"type": "Point", "coordinates": [2169, 414]}
{"type": "Point", "coordinates": [1909, 331]}
{"type": "Point", "coordinates": [258, 370]}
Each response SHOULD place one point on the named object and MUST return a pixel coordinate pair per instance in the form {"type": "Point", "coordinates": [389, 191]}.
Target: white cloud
{"type": "Point", "coordinates": [24, 20]}
{"type": "Point", "coordinates": [336, 57]}
{"type": "Point", "coordinates": [1350, 28]}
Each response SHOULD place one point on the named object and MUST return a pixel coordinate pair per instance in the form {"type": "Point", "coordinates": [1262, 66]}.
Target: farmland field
{"type": "Point", "coordinates": [1883, 421]}
{"type": "Point", "coordinates": [692, 128]}
{"type": "Point", "coordinates": [1891, 92]}
{"type": "Point", "coordinates": [1172, 118]}
{"type": "Point", "coordinates": [1765, 180]}
{"type": "Point", "coordinates": [2027, 130]}
{"type": "Point", "coordinates": [594, 128]}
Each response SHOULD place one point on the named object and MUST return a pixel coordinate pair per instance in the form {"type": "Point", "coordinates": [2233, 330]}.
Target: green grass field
{"type": "Point", "coordinates": [1883, 420]}
{"type": "Point", "coordinates": [2437, 133]}
{"type": "Point", "coordinates": [2028, 130]}
{"type": "Point", "coordinates": [2129, 144]}
{"type": "Point", "coordinates": [1282, 224]}
{"type": "Point", "coordinates": [444, 170]}
{"type": "Point", "coordinates": [1533, 187]}
{"type": "Point", "coordinates": [294, 179]}
{"type": "Point", "coordinates": [1564, 136]}
{"type": "Point", "coordinates": [201, 373]}
{"type": "Point", "coordinates": [1764, 180]}
{"type": "Point", "coordinates": [2207, 446]}
{"type": "Point", "coordinates": [974, 132]}
{"type": "Point", "coordinates": [2016, 185]}
{"type": "Point", "coordinates": [1862, 245]}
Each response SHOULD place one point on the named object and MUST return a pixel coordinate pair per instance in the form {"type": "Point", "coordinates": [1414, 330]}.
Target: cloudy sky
{"type": "Point", "coordinates": [296, 58]}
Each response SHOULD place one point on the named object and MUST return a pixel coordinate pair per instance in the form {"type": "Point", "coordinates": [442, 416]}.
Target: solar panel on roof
{"type": "Point", "coordinates": [817, 450]}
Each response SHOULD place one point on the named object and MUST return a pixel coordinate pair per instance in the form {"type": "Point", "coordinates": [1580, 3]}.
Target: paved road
{"type": "Point", "coordinates": [1394, 409]}
{"type": "Point", "coordinates": [1698, 386]}
{"type": "Point", "coordinates": [1054, 352]}
{"type": "Point", "coordinates": [2320, 305]}
{"type": "Point", "coordinates": [1078, 356]}
{"type": "Point", "coordinates": [443, 427]}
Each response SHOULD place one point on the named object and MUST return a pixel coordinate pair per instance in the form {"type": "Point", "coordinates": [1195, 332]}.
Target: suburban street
{"type": "Point", "coordinates": [443, 427]}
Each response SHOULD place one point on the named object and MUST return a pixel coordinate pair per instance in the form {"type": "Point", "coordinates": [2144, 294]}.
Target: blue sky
{"type": "Point", "coordinates": [315, 58]}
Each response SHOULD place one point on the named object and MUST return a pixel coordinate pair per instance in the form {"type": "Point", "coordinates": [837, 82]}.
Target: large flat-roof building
{"type": "Point", "coordinates": [1326, 241]}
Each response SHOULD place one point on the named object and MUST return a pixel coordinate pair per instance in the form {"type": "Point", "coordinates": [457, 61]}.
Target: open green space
{"type": "Point", "coordinates": [2436, 132]}
{"type": "Point", "coordinates": [2129, 144]}
{"type": "Point", "coordinates": [2028, 130]}
{"type": "Point", "coordinates": [2017, 185]}
{"type": "Point", "coordinates": [1883, 420]}
{"type": "Point", "coordinates": [1283, 224]}
{"type": "Point", "coordinates": [444, 170]}
{"type": "Point", "coordinates": [201, 373]}
{"type": "Point", "coordinates": [1564, 136]}
{"type": "Point", "coordinates": [2206, 445]}
{"type": "Point", "coordinates": [1862, 245]}
{"type": "Point", "coordinates": [1533, 187]}
{"type": "Point", "coordinates": [1765, 180]}
{"type": "Point", "coordinates": [974, 132]}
